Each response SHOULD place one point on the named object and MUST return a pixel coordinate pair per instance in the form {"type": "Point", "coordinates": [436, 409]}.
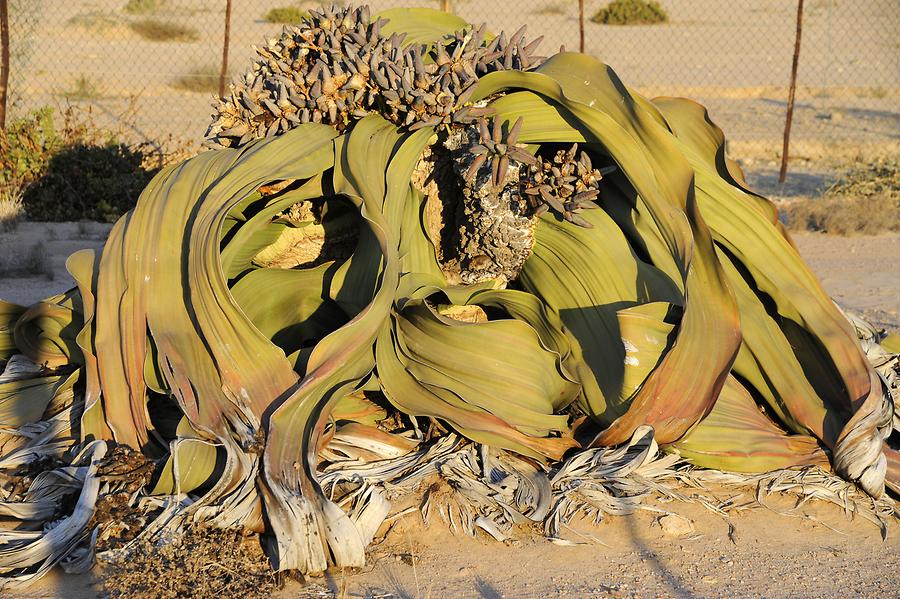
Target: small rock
{"type": "Point", "coordinates": [675, 525]}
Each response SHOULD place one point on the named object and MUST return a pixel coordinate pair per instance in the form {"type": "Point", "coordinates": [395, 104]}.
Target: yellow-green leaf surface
{"type": "Point", "coordinates": [498, 366]}
{"type": "Point", "coordinates": [209, 348]}
{"type": "Point", "coordinates": [9, 314]}
{"type": "Point", "coordinates": [586, 281]}
{"type": "Point", "coordinates": [737, 437]}
{"type": "Point", "coordinates": [46, 331]}
{"type": "Point", "coordinates": [421, 25]}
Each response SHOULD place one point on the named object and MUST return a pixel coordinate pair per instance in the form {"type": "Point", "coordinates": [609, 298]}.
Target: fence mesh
{"type": "Point", "coordinates": [159, 61]}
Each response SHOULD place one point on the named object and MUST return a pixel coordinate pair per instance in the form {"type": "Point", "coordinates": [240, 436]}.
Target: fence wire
{"type": "Point", "coordinates": [159, 60]}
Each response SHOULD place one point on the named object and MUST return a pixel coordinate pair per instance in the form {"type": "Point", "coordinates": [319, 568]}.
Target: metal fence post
{"type": "Point", "coordinates": [4, 59]}
{"type": "Point", "coordinates": [224, 72]}
{"type": "Point", "coordinates": [791, 93]}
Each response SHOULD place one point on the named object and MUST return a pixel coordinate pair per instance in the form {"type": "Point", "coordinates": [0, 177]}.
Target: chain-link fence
{"type": "Point", "coordinates": [159, 60]}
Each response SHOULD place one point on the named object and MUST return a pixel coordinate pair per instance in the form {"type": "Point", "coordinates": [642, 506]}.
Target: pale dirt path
{"type": "Point", "coordinates": [771, 556]}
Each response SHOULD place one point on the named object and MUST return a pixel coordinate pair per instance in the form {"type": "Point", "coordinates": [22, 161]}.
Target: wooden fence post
{"type": "Point", "coordinates": [223, 74]}
{"type": "Point", "coordinates": [782, 175]}
{"type": "Point", "coordinates": [446, 6]}
{"type": "Point", "coordinates": [4, 59]}
{"type": "Point", "coordinates": [581, 26]}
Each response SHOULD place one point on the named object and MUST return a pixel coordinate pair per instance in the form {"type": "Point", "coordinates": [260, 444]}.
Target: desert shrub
{"type": "Point", "coordinates": [25, 148]}
{"type": "Point", "coordinates": [872, 178]}
{"type": "Point", "coordinates": [73, 173]}
{"type": "Point", "coordinates": [31, 260]}
{"type": "Point", "coordinates": [96, 182]}
{"type": "Point", "coordinates": [157, 30]}
{"type": "Point", "coordinates": [203, 80]}
{"type": "Point", "coordinates": [142, 7]}
{"type": "Point", "coordinates": [285, 14]}
{"type": "Point", "coordinates": [631, 12]}
{"type": "Point", "coordinates": [864, 200]}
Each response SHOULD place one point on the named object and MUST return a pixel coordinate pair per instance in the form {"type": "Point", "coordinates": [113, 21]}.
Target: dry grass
{"type": "Point", "coordinates": [203, 562]}
{"type": "Point", "coordinates": [201, 80]}
{"type": "Point", "coordinates": [866, 200]}
{"type": "Point", "coordinates": [143, 7]}
{"type": "Point", "coordinates": [164, 31]}
{"type": "Point", "coordinates": [12, 210]}
{"type": "Point", "coordinates": [553, 8]}
{"type": "Point", "coordinates": [96, 22]}
{"type": "Point", "coordinates": [844, 216]}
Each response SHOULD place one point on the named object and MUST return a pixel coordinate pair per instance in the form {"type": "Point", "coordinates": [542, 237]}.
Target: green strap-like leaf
{"type": "Point", "coordinates": [498, 366]}
{"type": "Point", "coordinates": [46, 331]}
{"type": "Point", "coordinates": [304, 522]}
{"type": "Point", "coordinates": [290, 307]}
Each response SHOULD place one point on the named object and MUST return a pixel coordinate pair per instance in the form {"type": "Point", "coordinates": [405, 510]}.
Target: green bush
{"type": "Point", "coordinates": [25, 147]}
{"type": "Point", "coordinates": [286, 14]}
{"type": "Point", "coordinates": [73, 173]}
{"type": "Point", "coordinates": [88, 182]}
{"type": "Point", "coordinates": [631, 12]}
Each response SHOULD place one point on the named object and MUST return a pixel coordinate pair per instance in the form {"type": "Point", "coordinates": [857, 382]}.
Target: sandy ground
{"type": "Point", "coordinates": [54, 242]}
{"type": "Point", "coordinates": [813, 551]}
{"type": "Point", "coordinates": [861, 272]}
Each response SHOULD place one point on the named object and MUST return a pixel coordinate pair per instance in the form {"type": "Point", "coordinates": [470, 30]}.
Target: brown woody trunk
{"type": "Point", "coordinates": [4, 59]}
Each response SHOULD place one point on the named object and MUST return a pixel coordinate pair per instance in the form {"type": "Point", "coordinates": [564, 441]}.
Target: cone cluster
{"type": "Point", "coordinates": [564, 184]}
{"type": "Point", "coordinates": [337, 65]}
